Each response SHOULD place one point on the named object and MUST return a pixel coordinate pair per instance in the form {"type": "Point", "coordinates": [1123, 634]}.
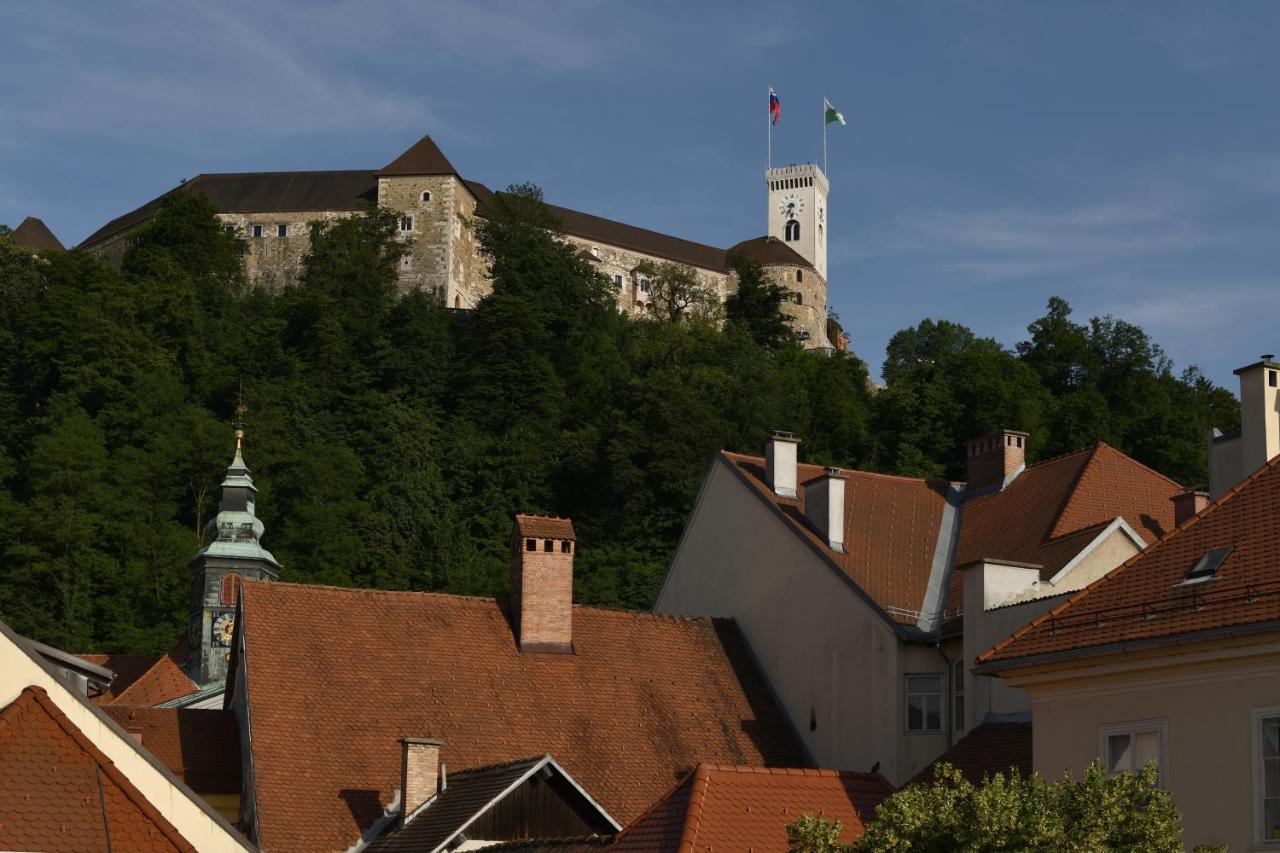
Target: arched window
{"type": "Point", "coordinates": [799, 275]}
{"type": "Point", "coordinates": [793, 230]}
{"type": "Point", "coordinates": [229, 588]}
{"type": "Point", "coordinates": [426, 196]}
{"type": "Point", "coordinates": [457, 301]}
{"type": "Point", "coordinates": [799, 298]}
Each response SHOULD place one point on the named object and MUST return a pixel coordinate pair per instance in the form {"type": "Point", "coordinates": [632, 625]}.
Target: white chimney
{"type": "Point", "coordinates": [419, 773]}
{"type": "Point", "coordinates": [824, 507]}
{"type": "Point", "coordinates": [780, 463]}
{"type": "Point", "coordinates": [1259, 413]}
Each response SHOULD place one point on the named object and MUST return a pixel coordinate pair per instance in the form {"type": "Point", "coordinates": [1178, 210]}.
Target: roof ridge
{"type": "Point", "coordinates": [531, 759]}
{"type": "Point", "coordinates": [1198, 518]}
{"type": "Point", "coordinates": [686, 779]}
{"type": "Point", "coordinates": [860, 471]}
{"type": "Point", "coordinates": [1102, 445]}
{"type": "Point", "coordinates": [1072, 492]}
{"type": "Point", "coordinates": [693, 812]}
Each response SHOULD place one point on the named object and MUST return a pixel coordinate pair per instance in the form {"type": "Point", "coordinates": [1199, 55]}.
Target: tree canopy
{"type": "Point", "coordinates": [392, 439]}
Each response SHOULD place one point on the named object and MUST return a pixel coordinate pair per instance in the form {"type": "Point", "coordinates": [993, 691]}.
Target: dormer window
{"type": "Point", "coordinates": [1206, 568]}
{"type": "Point", "coordinates": [426, 196]}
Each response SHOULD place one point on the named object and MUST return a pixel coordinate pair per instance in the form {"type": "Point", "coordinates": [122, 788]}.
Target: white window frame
{"type": "Point", "coordinates": [907, 694]}
{"type": "Point", "coordinates": [282, 229]}
{"type": "Point", "coordinates": [256, 230]}
{"type": "Point", "coordinates": [1131, 728]}
{"type": "Point", "coordinates": [618, 283]}
{"type": "Point", "coordinates": [406, 217]}
{"type": "Point", "coordinates": [1259, 779]}
{"type": "Point", "coordinates": [425, 198]}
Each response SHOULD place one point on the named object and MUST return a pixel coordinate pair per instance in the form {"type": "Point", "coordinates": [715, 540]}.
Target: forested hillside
{"type": "Point", "coordinates": [392, 439]}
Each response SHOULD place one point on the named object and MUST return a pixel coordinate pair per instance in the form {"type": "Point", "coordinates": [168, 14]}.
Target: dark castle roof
{"type": "Point", "coordinates": [768, 252]}
{"type": "Point", "coordinates": [34, 234]}
{"type": "Point", "coordinates": [424, 158]}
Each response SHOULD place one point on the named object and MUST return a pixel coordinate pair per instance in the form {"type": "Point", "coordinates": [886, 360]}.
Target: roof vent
{"type": "Point", "coordinates": [1207, 566]}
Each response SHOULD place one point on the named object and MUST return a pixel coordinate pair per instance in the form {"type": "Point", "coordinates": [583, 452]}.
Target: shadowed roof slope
{"type": "Point", "coordinates": [891, 530]}
{"type": "Point", "coordinates": [58, 791]}
{"type": "Point", "coordinates": [424, 157]}
{"type": "Point", "coordinates": [128, 669]}
{"type": "Point", "coordinates": [989, 749]}
{"type": "Point", "coordinates": [1146, 602]}
{"type": "Point", "coordinates": [334, 676]}
{"type": "Point", "coordinates": [200, 747]}
{"type": "Point", "coordinates": [163, 681]}
{"type": "Point", "coordinates": [34, 234]}
{"type": "Point", "coordinates": [768, 252]}
{"type": "Point", "coordinates": [748, 808]}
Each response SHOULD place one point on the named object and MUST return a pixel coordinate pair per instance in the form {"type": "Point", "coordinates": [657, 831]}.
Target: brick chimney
{"type": "Point", "coordinates": [780, 463]}
{"type": "Point", "coordinates": [824, 507]}
{"type": "Point", "coordinates": [1259, 413]}
{"type": "Point", "coordinates": [419, 772]}
{"type": "Point", "coordinates": [1188, 504]}
{"type": "Point", "coordinates": [994, 459]}
{"type": "Point", "coordinates": [542, 583]}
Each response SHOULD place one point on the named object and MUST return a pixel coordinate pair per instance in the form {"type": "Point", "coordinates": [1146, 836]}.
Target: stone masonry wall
{"type": "Point", "coordinates": [615, 262]}
{"type": "Point", "coordinates": [426, 265]}
{"type": "Point", "coordinates": [270, 260]}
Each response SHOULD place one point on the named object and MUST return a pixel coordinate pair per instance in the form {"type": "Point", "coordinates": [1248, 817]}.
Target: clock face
{"type": "Point", "coordinates": [223, 627]}
{"type": "Point", "coordinates": [791, 205]}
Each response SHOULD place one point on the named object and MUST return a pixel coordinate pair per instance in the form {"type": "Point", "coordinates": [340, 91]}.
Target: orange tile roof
{"type": "Point", "coordinates": [989, 749]}
{"type": "Point", "coordinates": [544, 527]}
{"type": "Point", "coordinates": [163, 681]}
{"type": "Point", "coordinates": [891, 530]}
{"type": "Point", "coordinates": [334, 676]}
{"type": "Point", "coordinates": [200, 747]}
{"type": "Point", "coordinates": [1054, 499]}
{"type": "Point", "coordinates": [748, 808]}
{"type": "Point", "coordinates": [128, 669]}
{"type": "Point", "coordinates": [59, 792]}
{"type": "Point", "coordinates": [1145, 602]}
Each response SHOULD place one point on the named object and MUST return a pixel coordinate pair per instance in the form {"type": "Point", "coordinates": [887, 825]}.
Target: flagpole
{"type": "Point", "coordinates": [768, 119]}
{"type": "Point", "coordinates": [824, 138]}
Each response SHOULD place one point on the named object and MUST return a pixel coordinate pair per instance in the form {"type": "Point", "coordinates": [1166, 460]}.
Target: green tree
{"type": "Point", "coordinates": [756, 306]}
{"type": "Point", "coordinates": [678, 292]}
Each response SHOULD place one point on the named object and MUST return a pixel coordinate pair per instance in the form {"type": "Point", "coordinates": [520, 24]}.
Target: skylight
{"type": "Point", "coordinates": [1207, 566]}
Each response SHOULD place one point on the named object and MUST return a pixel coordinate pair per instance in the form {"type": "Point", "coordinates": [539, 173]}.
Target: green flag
{"type": "Point", "coordinates": [833, 115]}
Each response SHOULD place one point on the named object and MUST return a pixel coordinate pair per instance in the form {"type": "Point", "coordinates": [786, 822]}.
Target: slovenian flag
{"type": "Point", "coordinates": [775, 106]}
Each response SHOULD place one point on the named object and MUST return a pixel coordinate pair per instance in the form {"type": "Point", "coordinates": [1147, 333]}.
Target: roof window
{"type": "Point", "coordinates": [1207, 566]}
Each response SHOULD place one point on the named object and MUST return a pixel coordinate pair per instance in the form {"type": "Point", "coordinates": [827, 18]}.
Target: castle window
{"type": "Point", "coordinates": [644, 285]}
{"type": "Point", "coordinates": [793, 230]}
{"type": "Point", "coordinates": [457, 301]}
{"type": "Point", "coordinates": [617, 282]}
{"type": "Point", "coordinates": [229, 230]}
{"type": "Point", "coordinates": [799, 298]}
{"type": "Point", "coordinates": [255, 230]}
{"type": "Point", "coordinates": [317, 228]}
{"type": "Point", "coordinates": [799, 275]}
{"type": "Point", "coordinates": [595, 251]}
{"type": "Point", "coordinates": [406, 223]}
{"type": "Point", "coordinates": [426, 196]}
{"type": "Point", "coordinates": [282, 230]}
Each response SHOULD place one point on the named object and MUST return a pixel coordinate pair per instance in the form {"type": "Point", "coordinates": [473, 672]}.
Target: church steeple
{"type": "Point", "coordinates": [234, 552]}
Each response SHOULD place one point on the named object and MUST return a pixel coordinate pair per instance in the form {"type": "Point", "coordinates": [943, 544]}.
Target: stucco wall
{"type": "Point", "coordinates": [832, 661]}
{"type": "Point", "coordinates": [195, 825]}
{"type": "Point", "coordinates": [1205, 696]}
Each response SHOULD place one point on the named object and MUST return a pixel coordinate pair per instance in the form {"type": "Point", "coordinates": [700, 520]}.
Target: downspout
{"type": "Point", "coordinates": [951, 690]}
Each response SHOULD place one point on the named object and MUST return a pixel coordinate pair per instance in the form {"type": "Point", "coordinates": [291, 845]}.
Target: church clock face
{"type": "Point", "coordinates": [791, 205]}
{"type": "Point", "coordinates": [223, 627]}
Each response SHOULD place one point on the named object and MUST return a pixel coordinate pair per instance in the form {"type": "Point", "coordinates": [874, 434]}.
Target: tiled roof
{"type": "Point", "coordinates": [128, 669]}
{"type": "Point", "coordinates": [468, 794]}
{"type": "Point", "coordinates": [200, 747]}
{"type": "Point", "coordinates": [586, 844]}
{"type": "Point", "coordinates": [424, 157]}
{"type": "Point", "coordinates": [335, 676]}
{"type": "Point", "coordinates": [163, 681]}
{"type": "Point", "coordinates": [59, 792]}
{"type": "Point", "coordinates": [1145, 600]}
{"type": "Point", "coordinates": [891, 530]}
{"type": "Point", "coordinates": [544, 527]}
{"type": "Point", "coordinates": [748, 808]}
{"type": "Point", "coordinates": [989, 749]}
{"type": "Point", "coordinates": [34, 234]}
{"type": "Point", "coordinates": [1062, 496]}
{"type": "Point", "coordinates": [768, 252]}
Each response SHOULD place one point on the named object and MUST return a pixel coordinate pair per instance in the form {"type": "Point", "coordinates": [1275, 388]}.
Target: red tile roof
{"type": "Point", "coordinates": [335, 676]}
{"type": "Point", "coordinates": [989, 749]}
{"type": "Point", "coordinates": [1048, 502]}
{"type": "Point", "coordinates": [544, 527]}
{"type": "Point", "coordinates": [720, 808]}
{"type": "Point", "coordinates": [891, 530]}
{"type": "Point", "coordinates": [200, 747]}
{"type": "Point", "coordinates": [128, 669]}
{"type": "Point", "coordinates": [1145, 601]}
{"type": "Point", "coordinates": [165, 680]}
{"type": "Point", "coordinates": [59, 792]}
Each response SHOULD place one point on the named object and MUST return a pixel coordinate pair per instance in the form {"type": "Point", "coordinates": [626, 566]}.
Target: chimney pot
{"type": "Point", "coordinates": [824, 506]}
{"type": "Point", "coordinates": [419, 773]}
{"type": "Point", "coordinates": [541, 598]}
{"type": "Point", "coordinates": [993, 460]}
{"type": "Point", "coordinates": [1188, 504]}
{"type": "Point", "coordinates": [780, 463]}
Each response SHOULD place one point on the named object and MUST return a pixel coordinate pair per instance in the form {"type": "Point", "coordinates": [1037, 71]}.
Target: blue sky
{"type": "Point", "coordinates": [1122, 155]}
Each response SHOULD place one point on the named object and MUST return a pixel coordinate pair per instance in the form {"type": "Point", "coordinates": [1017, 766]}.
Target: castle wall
{"type": "Point", "coordinates": [272, 261]}
{"type": "Point", "coordinates": [613, 261]}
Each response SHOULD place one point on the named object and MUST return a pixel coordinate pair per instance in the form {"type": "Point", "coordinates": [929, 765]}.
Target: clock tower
{"type": "Point", "coordinates": [234, 553]}
{"type": "Point", "coordinates": [798, 211]}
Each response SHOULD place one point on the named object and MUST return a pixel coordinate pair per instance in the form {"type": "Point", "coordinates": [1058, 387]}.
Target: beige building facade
{"type": "Point", "coordinates": [276, 213]}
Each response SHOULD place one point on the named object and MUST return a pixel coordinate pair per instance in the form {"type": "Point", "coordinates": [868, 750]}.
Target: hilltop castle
{"type": "Point", "coordinates": [274, 212]}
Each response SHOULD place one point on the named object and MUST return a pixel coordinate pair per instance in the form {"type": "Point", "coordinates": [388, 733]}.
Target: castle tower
{"type": "Point", "coordinates": [234, 552]}
{"type": "Point", "coordinates": [798, 211]}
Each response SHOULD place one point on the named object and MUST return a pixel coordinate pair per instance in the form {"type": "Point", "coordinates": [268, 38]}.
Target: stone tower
{"type": "Point", "coordinates": [798, 211]}
{"type": "Point", "coordinates": [234, 552]}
